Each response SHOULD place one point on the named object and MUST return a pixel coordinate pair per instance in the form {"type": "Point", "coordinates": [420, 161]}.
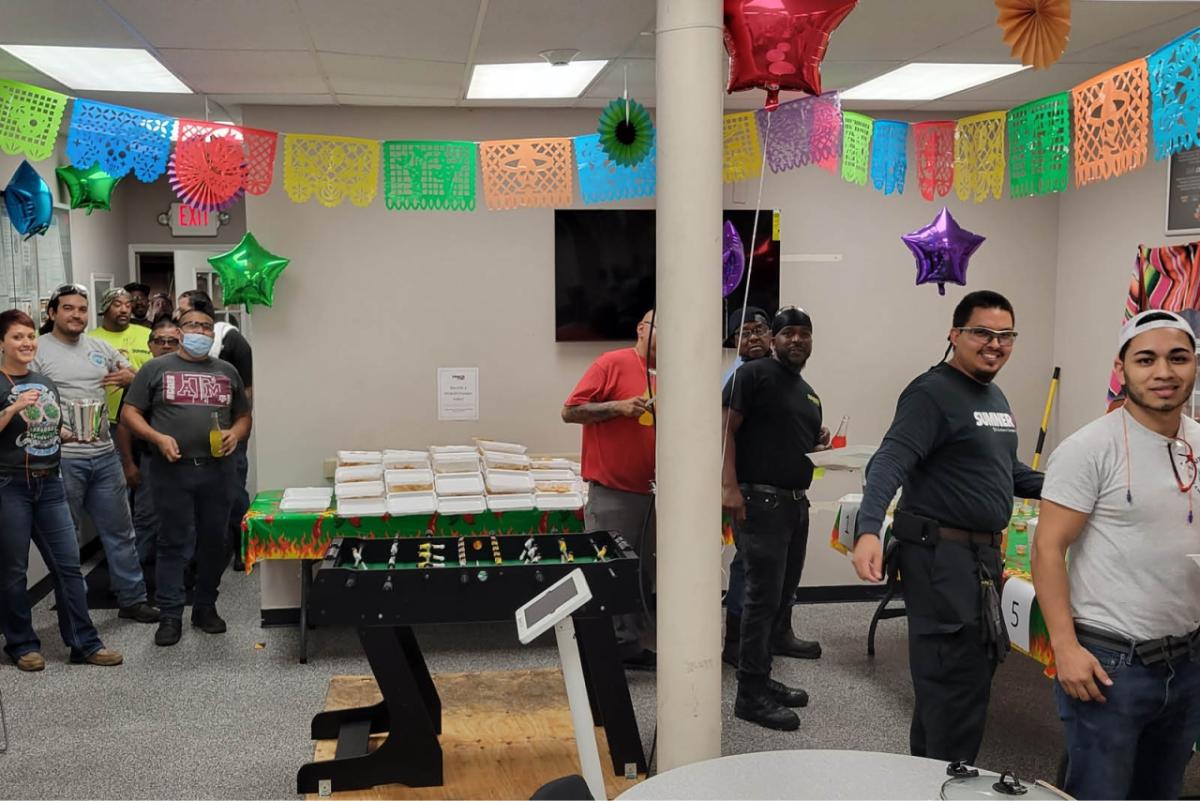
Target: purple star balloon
{"type": "Point", "coordinates": [733, 260]}
{"type": "Point", "coordinates": [942, 249]}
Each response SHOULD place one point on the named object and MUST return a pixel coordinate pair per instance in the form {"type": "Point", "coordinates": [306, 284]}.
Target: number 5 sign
{"type": "Point", "coordinates": [1017, 605]}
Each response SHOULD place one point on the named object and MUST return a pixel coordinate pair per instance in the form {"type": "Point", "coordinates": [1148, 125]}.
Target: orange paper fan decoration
{"type": "Point", "coordinates": [1036, 30]}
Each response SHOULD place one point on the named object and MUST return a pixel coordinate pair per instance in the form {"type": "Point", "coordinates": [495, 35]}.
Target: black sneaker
{"type": "Point", "coordinates": [759, 707]}
{"type": "Point", "coordinates": [206, 619]}
{"type": "Point", "coordinates": [169, 630]}
{"type": "Point", "coordinates": [788, 696]}
{"type": "Point", "coordinates": [141, 612]}
{"type": "Point", "coordinates": [646, 660]}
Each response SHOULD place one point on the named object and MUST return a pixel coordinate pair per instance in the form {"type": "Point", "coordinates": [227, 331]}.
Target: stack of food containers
{"type": "Point", "coordinates": [506, 475]}
{"type": "Point", "coordinates": [457, 479]}
{"type": "Point", "coordinates": [408, 478]}
{"type": "Point", "coordinates": [310, 500]}
{"type": "Point", "coordinates": [358, 484]}
{"type": "Point", "coordinates": [556, 484]}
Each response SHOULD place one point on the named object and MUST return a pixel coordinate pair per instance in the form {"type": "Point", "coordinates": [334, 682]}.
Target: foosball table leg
{"type": "Point", "coordinates": [410, 754]}
{"type": "Point", "coordinates": [306, 581]}
{"type": "Point", "coordinates": [598, 647]}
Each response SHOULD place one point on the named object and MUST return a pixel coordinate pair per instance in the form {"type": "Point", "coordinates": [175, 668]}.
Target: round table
{"type": "Point", "coordinates": [799, 774]}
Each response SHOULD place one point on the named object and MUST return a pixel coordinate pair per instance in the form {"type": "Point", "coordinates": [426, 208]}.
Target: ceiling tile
{"type": "Point", "coordinates": [223, 24]}
{"type": "Point", "coordinates": [392, 100]}
{"type": "Point", "coordinates": [371, 75]}
{"type": "Point", "coordinates": [901, 30]}
{"type": "Point", "coordinates": [78, 23]}
{"type": "Point", "coordinates": [1028, 85]}
{"type": "Point", "coordinates": [517, 30]}
{"type": "Point", "coordinates": [611, 82]}
{"type": "Point", "coordinates": [1138, 39]}
{"type": "Point", "coordinates": [418, 29]}
{"type": "Point", "coordinates": [253, 71]}
{"type": "Point", "coordinates": [269, 99]}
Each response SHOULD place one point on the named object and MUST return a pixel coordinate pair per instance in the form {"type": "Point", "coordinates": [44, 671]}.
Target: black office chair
{"type": "Point", "coordinates": [568, 788]}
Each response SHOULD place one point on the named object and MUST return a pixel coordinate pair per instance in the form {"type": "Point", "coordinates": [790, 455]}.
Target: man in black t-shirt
{"type": "Point", "coordinates": [773, 418]}
{"type": "Point", "coordinates": [953, 447]}
{"type": "Point", "coordinates": [173, 403]}
{"type": "Point", "coordinates": [230, 346]}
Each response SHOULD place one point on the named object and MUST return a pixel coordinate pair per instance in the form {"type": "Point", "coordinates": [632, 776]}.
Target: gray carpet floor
{"type": "Point", "coordinates": [221, 717]}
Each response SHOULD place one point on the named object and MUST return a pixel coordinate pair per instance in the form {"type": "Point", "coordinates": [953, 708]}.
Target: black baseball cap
{"type": "Point", "coordinates": [138, 286]}
{"type": "Point", "coordinates": [734, 324]}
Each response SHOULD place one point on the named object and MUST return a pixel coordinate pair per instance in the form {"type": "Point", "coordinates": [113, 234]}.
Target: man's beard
{"type": "Point", "coordinates": [795, 366]}
{"type": "Point", "coordinates": [1140, 399]}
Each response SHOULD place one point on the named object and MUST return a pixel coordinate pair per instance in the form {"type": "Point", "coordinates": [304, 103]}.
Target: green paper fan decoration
{"type": "Point", "coordinates": [626, 132]}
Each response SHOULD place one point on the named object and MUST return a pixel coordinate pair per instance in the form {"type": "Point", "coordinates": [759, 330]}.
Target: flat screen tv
{"type": "Point", "coordinates": [604, 271]}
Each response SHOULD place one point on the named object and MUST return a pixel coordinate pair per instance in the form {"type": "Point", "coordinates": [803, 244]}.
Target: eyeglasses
{"type": "Point", "coordinates": [1180, 450]}
{"type": "Point", "coordinates": [169, 342]}
{"type": "Point", "coordinates": [196, 325]}
{"type": "Point", "coordinates": [985, 335]}
{"type": "Point", "coordinates": [761, 331]}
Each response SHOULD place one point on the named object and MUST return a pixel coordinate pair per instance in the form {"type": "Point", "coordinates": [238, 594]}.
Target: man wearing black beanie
{"type": "Point", "coordinates": [773, 418]}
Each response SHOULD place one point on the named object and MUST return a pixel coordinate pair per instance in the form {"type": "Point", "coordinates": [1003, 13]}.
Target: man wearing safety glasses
{"type": "Point", "coordinates": [953, 447]}
{"type": "Point", "coordinates": [1124, 617]}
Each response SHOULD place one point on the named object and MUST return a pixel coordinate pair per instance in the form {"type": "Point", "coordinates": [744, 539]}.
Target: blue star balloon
{"type": "Point", "coordinates": [28, 201]}
{"type": "Point", "coordinates": [942, 250]}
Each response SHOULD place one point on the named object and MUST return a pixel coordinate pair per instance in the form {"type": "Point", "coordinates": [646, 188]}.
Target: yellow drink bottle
{"type": "Point", "coordinates": [214, 437]}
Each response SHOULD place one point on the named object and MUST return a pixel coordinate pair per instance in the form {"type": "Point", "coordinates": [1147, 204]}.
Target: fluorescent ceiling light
{"type": "Point", "coordinates": [922, 81]}
{"type": "Point", "coordinates": [100, 69]}
{"type": "Point", "coordinates": [532, 80]}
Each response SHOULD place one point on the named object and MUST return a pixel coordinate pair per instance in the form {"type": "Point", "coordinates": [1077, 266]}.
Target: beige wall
{"type": "Point", "coordinates": [1100, 228]}
{"type": "Point", "coordinates": [374, 301]}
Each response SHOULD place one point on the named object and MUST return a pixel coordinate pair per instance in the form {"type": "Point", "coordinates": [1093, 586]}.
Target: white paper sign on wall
{"type": "Point", "coordinates": [458, 393]}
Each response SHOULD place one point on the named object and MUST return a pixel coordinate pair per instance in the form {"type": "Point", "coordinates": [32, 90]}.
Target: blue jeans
{"type": "Point", "coordinates": [37, 510]}
{"type": "Point", "coordinates": [194, 496]}
{"type": "Point", "coordinates": [96, 484]}
{"type": "Point", "coordinates": [1137, 744]}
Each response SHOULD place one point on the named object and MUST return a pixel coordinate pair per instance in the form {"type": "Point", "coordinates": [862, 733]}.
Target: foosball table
{"type": "Point", "coordinates": [384, 587]}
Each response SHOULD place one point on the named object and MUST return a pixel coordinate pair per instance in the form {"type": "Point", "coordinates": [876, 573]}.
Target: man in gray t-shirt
{"type": "Point", "coordinates": [1124, 616]}
{"type": "Point", "coordinates": [83, 367]}
{"type": "Point", "coordinates": [171, 404]}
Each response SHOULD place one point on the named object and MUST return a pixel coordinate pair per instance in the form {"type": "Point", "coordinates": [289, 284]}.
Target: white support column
{"type": "Point", "coordinates": [690, 65]}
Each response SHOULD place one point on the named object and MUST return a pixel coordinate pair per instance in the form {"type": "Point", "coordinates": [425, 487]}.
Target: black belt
{"type": "Point", "coordinates": [41, 472]}
{"type": "Point", "coordinates": [976, 537]}
{"type": "Point", "coordinates": [1149, 652]}
{"type": "Point", "coordinates": [779, 492]}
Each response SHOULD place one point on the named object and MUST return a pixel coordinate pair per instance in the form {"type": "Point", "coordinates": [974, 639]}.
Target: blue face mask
{"type": "Point", "coordinates": [197, 345]}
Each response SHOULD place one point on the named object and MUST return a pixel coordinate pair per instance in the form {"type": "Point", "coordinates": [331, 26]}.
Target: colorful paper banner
{"type": "Point", "coordinates": [30, 117]}
{"type": "Point", "coordinates": [1039, 146]}
{"type": "Point", "coordinates": [333, 168]}
{"type": "Point", "coordinates": [429, 175]}
{"type": "Point", "coordinates": [889, 156]}
{"type": "Point", "coordinates": [802, 131]}
{"type": "Point", "coordinates": [1111, 123]}
{"type": "Point", "coordinates": [934, 142]}
{"type": "Point", "coordinates": [258, 145]}
{"type": "Point", "coordinates": [526, 173]}
{"type": "Point", "coordinates": [856, 146]}
{"type": "Point", "coordinates": [979, 156]}
{"type": "Point", "coordinates": [1175, 94]}
{"type": "Point", "coordinates": [119, 139]}
{"type": "Point", "coordinates": [742, 154]}
{"type": "Point", "coordinates": [601, 180]}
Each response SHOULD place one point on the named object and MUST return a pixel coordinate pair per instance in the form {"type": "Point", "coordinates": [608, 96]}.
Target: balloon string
{"type": "Point", "coordinates": [626, 94]}
{"type": "Point", "coordinates": [762, 173]}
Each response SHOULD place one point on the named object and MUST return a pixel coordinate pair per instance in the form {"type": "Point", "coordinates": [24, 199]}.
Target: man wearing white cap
{"type": "Point", "coordinates": [1124, 616]}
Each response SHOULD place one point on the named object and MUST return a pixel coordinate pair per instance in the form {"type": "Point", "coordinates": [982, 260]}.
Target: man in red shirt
{"type": "Point", "coordinates": [613, 402]}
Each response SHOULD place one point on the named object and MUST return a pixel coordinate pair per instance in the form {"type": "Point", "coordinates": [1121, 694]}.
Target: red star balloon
{"type": "Point", "coordinates": [779, 44]}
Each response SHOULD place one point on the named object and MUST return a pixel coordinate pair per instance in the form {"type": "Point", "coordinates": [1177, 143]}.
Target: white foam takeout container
{"type": "Point", "coordinates": [347, 458]}
{"type": "Point", "coordinates": [359, 489]}
{"type": "Point", "coordinates": [455, 462]}
{"type": "Point", "coordinates": [495, 460]}
{"type": "Point", "coordinates": [411, 503]}
{"type": "Point", "coordinates": [516, 502]}
{"type": "Point", "coordinates": [461, 505]}
{"type": "Point", "coordinates": [558, 500]}
{"type": "Point", "coordinates": [500, 447]}
{"type": "Point", "coordinates": [412, 480]}
{"type": "Point", "coordinates": [501, 481]}
{"type": "Point", "coordinates": [358, 472]}
{"type": "Point", "coordinates": [458, 484]}
{"type": "Point", "coordinates": [361, 507]}
{"type": "Point", "coordinates": [402, 460]}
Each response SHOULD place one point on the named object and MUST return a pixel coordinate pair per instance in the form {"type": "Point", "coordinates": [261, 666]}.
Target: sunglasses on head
{"type": "Point", "coordinates": [68, 289]}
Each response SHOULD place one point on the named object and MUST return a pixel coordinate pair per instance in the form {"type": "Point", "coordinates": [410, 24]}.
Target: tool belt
{"type": "Point", "coordinates": [1148, 652]}
{"type": "Point", "coordinates": [911, 529]}
{"type": "Point", "coordinates": [778, 492]}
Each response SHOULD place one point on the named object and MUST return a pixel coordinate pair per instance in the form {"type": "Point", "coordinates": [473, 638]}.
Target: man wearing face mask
{"type": "Point", "coordinates": [171, 404]}
{"type": "Point", "coordinates": [953, 447]}
{"type": "Point", "coordinates": [230, 346]}
{"type": "Point", "coordinates": [773, 418]}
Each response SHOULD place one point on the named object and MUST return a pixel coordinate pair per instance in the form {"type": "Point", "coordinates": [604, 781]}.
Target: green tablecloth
{"type": "Point", "coordinates": [268, 533]}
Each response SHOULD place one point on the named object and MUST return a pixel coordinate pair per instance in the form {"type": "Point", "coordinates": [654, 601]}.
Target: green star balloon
{"type": "Point", "coordinates": [90, 189]}
{"type": "Point", "coordinates": [248, 272]}
{"type": "Point", "coordinates": [626, 132]}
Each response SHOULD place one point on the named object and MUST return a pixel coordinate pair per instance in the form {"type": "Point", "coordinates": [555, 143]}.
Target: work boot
{"type": "Point", "coordinates": [755, 704]}
{"type": "Point", "coordinates": [142, 612]}
{"type": "Point", "coordinates": [784, 642]}
{"type": "Point", "coordinates": [206, 619]}
{"type": "Point", "coordinates": [30, 662]}
{"type": "Point", "coordinates": [103, 657]}
{"type": "Point", "coordinates": [169, 629]}
{"type": "Point", "coordinates": [788, 696]}
{"type": "Point", "coordinates": [733, 639]}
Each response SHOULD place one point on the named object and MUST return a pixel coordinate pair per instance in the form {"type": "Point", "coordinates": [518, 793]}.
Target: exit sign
{"type": "Point", "coordinates": [187, 221]}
